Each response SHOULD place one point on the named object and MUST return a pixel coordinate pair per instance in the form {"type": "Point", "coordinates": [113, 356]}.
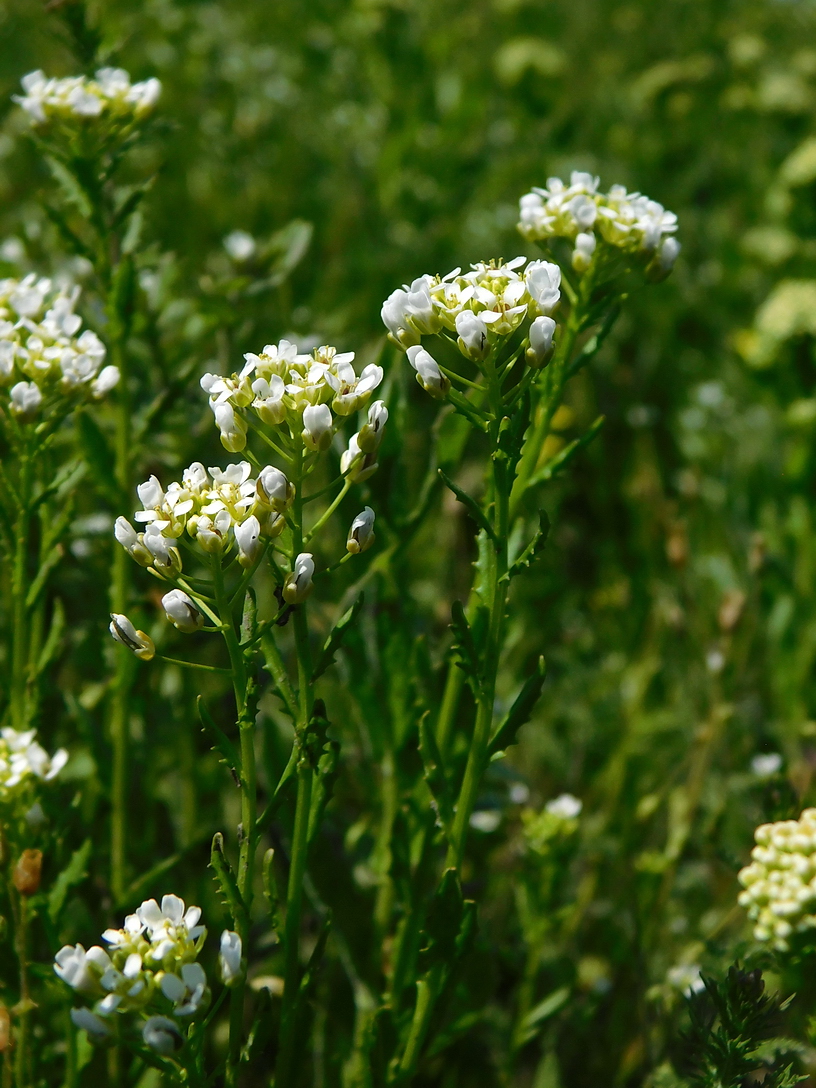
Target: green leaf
{"type": "Point", "coordinates": [74, 873]}
{"type": "Point", "coordinates": [41, 577]}
{"type": "Point", "coordinates": [470, 503]}
{"type": "Point", "coordinates": [222, 741]}
{"type": "Point", "coordinates": [464, 644]}
{"type": "Point", "coordinates": [443, 923]}
{"type": "Point", "coordinates": [325, 776]}
{"type": "Point", "coordinates": [535, 1018]}
{"type": "Point", "coordinates": [286, 249]}
{"type": "Point", "coordinates": [270, 886]}
{"type": "Point", "coordinates": [533, 549]}
{"type": "Point", "coordinates": [73, 192]}
{"type": "Point", "coordinates": [335, 639]}
{"type": "Point", "coordinates": [435, 773]}
{"type": "Point", "coordinates": [52, 642]}
{"type": "Point", "coordinates": [562, 459]}
{"type": "Point", "coordinates": [123, 294]}
{"type": "Point", "coordinates": [226, 880]}
{"type": "Point", "coordinates": [520, 712]}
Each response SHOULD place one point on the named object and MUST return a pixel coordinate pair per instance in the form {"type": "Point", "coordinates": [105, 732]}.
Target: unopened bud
{"type": "Point", "coordinates": [27, 872]}
{"type": "Point", "coordinates": [136, 641]}
{"type": "Point", "coordinates": [5, 1029]}
{"type": "Point", "coordinates": [361, 534]}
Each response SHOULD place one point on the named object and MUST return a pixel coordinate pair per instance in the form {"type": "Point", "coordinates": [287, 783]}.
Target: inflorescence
{"type": "Point", "coordinates": [780, 882]}
{"type": "Point", "coordinates": [23, 760]}
{"type": "Point", "coordinates": [46, 362]}
{"type": "Point", "coordinates": [629, 222]}
{"type": "Point", "coordinates": [110, 94]}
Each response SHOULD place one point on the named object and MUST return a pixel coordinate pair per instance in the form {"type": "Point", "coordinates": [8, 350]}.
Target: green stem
{"type": "Point", "coordinates": [19, 659]}
{"type": "Point", "coordinates": [327, 513]}
{"type": "Point", "coordinates": [22, 1061]}
{"type": "Point", "coordinates": [284, 1070]}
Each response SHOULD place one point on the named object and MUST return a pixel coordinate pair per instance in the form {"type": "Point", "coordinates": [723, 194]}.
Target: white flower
{"type": "Point", "coordinates": [766, 764]}
{"type": "Point", "coordinates": [26, 399]}
{"type": "Point", "coordinates": [429, 376]}
{"type": "Point", "coordinates": [109, 92]}
{"type": "Point", "coordinates": [240, 245]}
{"type": "Point", "coordinates": [82, 970]}
{"type": "Point", "coordinates": [585, 245]}
{"type": "Point", "coordinates": [356, 463]}
{"type": "Point", "coordinates": [89, 1022]}
{"type": "Point", "coordinates": [136, 641]}
{"type": "Point", "coordinates": [317, 426]}
{"type": "Point", "coordinates": [273, 488]}
{"type": "Point", "coordinates": [188, 992]}
{"type": "Point", "coordinates": [229, 957]}
{"type": "Point", "coordinates": [268, 402]}
{"type": "Point", "coordinates": [182, 612]}
{"type": "Point", "coordinates": [165, 553]}
{"type": "Point", "coordinates": [566, 807]}
{"type": "Point", "coordinates": [473, 341]}
{"type": "Point", "coordinates": [248, 539]}
{"type": "Point", "coordinates": [370, 434]}
{"type": "Point", "coordinates": [543, 281]}
{"type": "Point", "coordinates": [685, 977]}
{"type": "Point", "coordinates": [232, 427]}
{"type": "Point", "coordinates": [541, 341]}
{"type": "Point", "coordinates": [298, 584]}
{"type": "Point", "coordinates": [150, 494]}
{"type": "Point", "coordinates": [162, 1035]}
{"type": "Point", "coordinates": [361, 533]}
{"type": "Point", "coordinates": [108, 379]}
{"type": "Point", "coordinates": [21, 756]}
{"type": "Point", "coordinates": [132, 542]}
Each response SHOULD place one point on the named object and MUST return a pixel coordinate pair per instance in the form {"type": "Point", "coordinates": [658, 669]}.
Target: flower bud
{"type": "Point", "coordinates": [166, 557]}
{"type": "Point", "coordinates": [27, 872]}
{"type": "Point", "coordinates": [107, 379]}
{"type": "Point", "coordinates": [662, 263]}
{"type": "Point", "coordinates": [361, 534]}
{"type": "Point", "coordinates": [162, 1035]}
{"type": "Point", "coordinates": [136, 641]}
{"type": "Point", "coordinates": [95, 1027]}
{"type": "Point", "coordinates": [26, 399]}
{"type": "Point", "coordinates": [473, 341]}
{"type": "Point", "coordinates": [317, 426]}
{"type": "Point", "coordinates": [429, 376]}
{"type": "Point", "coordinates": [273, 488]}
{"type": "Point", "coordinates": [543, 281]}
{"type": "Point", "coordinates": [248, 539]}
{"type": "Point", "coordinates": [132, 542]}
{"type": "Point", "coordinates": [232, 427]}
{"type": "Point", "coordinates": [541, 346]}
{"type": "Point", "coordinates": [355, 464]}
{"type": "Point", "coordinates": [582, 254]}
{"type": "Point", "coordinates": [5, 1029]}
{"type": "Point", "coordinates": [298, 584]}
{"type": "Point", "coordinates": [370, 434]}
{"type": "Point", "coordinates": [182, 612]}
{"type": "Point", "coordinates": [150, 493]}
{"type": "Point", "coordinates": [229, 958]}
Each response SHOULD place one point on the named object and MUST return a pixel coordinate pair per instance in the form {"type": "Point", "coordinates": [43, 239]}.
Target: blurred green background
{"type": "Point", "coordinates": [676, 600]}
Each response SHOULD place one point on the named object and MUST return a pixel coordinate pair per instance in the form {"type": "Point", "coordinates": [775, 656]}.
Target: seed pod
{"type": "Point", "coordinates": [27, 871]}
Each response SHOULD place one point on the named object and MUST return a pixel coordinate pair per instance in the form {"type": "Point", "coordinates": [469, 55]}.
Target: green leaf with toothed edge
{"type": "Point", "coordinates": [335, 639]}
{"type": "Point", "coordinates": [220, 865]}
{"type": "Point", "coordinates": [520, 712]}
{"type": "Point", "coordinates": [469, 503]}
{"type": "Point", "coordinates": [533, 549]}
{"type": "Point", "coordinates": [222, 742]}
{"type": "Point", "coordinates": [435, 773]}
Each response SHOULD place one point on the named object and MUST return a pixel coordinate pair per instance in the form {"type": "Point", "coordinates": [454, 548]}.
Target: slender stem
{"type": "Point", "coordinates": [19, 660]}
{"type": "Point", "coordinates": [284, 1071]}
{"type": "Point", "coordinates": [327, 513]}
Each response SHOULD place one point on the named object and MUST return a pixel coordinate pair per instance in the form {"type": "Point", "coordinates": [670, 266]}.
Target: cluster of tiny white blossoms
{"type": "Point", "coordinates": [780, 882]}
{"type": "Point", "coordinates": [23, 760]}
{"type": "Point", "coordinates": [219, 509]}
{"type": "Point", "coordinates": [110, 94]}
{"type": "Point", "coordinates": [150, 965]}
{"type": "Point", "coordinates": [578, 212]}
{"type": "Point", "coordinates": [480, 307]}
{"type": "Point", "coordinates": [293, 391]}
{"type": "Point", "coordinates": [44, 358]}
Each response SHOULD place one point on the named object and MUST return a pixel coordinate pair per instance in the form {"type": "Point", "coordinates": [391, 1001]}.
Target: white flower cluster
{"type": "Point", "coordinates": [578, 212]}
{"type": "Point", "coordinates": [481, 306]}
{"type": "Point", "coordinates": [22, 759]}
{"type": "Point", "coordinates": [109, 93]}
{"type": "Point", "coordinates": [780, 882]}
{"type": "Point", "coordinates": [217, 508]}
{"type": "Point", "coordinates": [43, 354]}
{"type": "Point", "coordinates": [150, 964]}
{"type": "Point", "coordinates": [299, 391]}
